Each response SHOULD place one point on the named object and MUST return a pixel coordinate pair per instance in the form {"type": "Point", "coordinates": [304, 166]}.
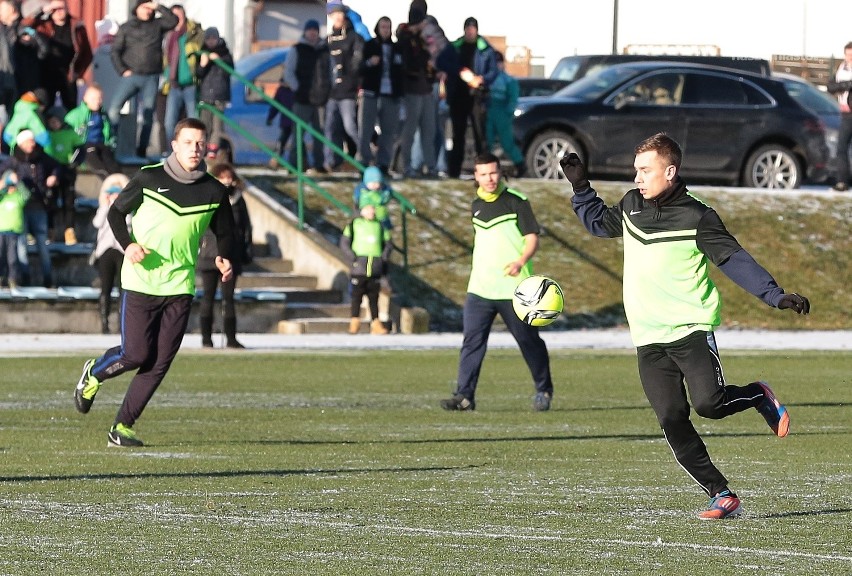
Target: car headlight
{"type": "Point", "coordinates": [831, 137]}
{"type": "Point", "coordinates": [520, 110]}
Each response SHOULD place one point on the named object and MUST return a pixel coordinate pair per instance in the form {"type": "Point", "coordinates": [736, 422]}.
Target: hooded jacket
{"type": "Point", "coordinates": [80, 58]}
{"type": "Point", "coordinates": [346, 49]}
{"type": "Point", "coordinates": [215, 83]}
{"type": "Point", "coordinates": [138, 46]}
{"type": "Point", "coordinates": [307, 72]}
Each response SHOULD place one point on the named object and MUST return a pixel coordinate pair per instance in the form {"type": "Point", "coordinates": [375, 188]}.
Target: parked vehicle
{"type": "Point", "coordinates": [539, 86]}
{"type": "Point", "coordinates": [735, 127]}
{"type": "Point", "coordinates": [264, 69]}
{"type": "Point", "coordinates": [571, 68]}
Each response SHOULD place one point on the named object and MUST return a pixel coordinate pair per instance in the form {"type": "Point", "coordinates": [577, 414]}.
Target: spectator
{"type": "Point", "coordinates": [91, 123]}
{"type": "Point", "coordinates": [215, 88]}
{"type": "Point", "coordinates": [419, 100]}
{"type": "Point", "coordinates": [346, 50]}
{"type": "Point", "coordinates": [69, 52]}
{"type": "Point", "coordinates": [308, 77]}
{"type": "Point", "coordinates": [13, 198]}
{"type": "Point", "coordinates": [841, 85]}
{"type": "Point", "coordinates": [374, 191]}
{"type": "Point", "coordinates": [210, 276]}
{"type": "Point", "coordinates": [8, 87]}
{"type": "Point", "coordinates": [65, 147]}
{"type": "Point", "coordinates": [40, 174]}
{"type": "Point", "coordinates": [505, 239]}
{"type": "Point", "coordinates": [137, 54]}
{"type": "Point", "coordinates": [501, 111]}
{"type": "Point", "coordinates": [104, 73]}
{"type": "Point", "coordinates": [108, 254]}
{"type": "Point", "coordinates": [367, 245]}
{"type": "Point", "coordinates": [284, 96]}
{"type": "Point", "coordinates": [29, 48]}
{"type": "Point", "coordinates": [382, 77]}
{"type": "Point", "coordinates": [469, 100]}
{"type": "Point", "coordinates": [27, 115]}
{"type": "Point", "coordinates": [180, 57]}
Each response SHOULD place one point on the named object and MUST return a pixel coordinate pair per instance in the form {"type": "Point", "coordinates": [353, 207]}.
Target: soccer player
{"type": "Point", "coordinates": [505, 240]}
{"type": "Point", "coordinates": [172, 203]}
{"type": "Point", "coordinates": [673, 306]}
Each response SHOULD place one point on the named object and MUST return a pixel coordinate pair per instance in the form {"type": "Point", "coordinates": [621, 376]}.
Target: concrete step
{"type": "Point", "coordinates": [268, 264]}
{"type": "Point", "coordinates": [276, 280]}
{"type": "Point", "coordinates": [320, 326]}
{"type": "Point", "coordinates": [315, 311]}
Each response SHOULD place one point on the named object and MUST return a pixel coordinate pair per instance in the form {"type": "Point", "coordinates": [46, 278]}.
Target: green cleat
{"type": "Point", "coordinates": [123, 436]}
{"type": "Point", "coordinates": [87, 387]}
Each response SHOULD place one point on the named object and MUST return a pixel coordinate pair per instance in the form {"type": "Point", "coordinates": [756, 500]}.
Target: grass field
{"type": "Point", "coordinates": [343, 463]}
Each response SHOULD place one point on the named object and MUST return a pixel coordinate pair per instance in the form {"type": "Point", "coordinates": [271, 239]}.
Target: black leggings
{"type": "Point", "coordinates": [365, 286]}
{"type": "Point", "coordinates": [209, 280]}
{"type": "Point", "coordinates": [109, 270]}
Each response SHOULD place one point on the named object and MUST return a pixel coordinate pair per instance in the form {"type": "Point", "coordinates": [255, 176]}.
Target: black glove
{"type": "Point", "coordinates": [795, 302]}
{"type": "Point", "coordinates": [574, 171]}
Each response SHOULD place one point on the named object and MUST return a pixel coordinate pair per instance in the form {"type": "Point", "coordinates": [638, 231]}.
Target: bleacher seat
{"type": "Point", "coordinates": [33, 293]}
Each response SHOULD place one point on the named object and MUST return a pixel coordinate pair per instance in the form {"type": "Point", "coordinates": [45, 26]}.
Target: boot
{"type": "Point", "coordinates": [70, 237]}
{"type": "Point", "coordinates": [377, 327]}
{"type": "Point", "coordinates": [354, 325]}
{"type": "Point", "coordinates": [104, 303]}
{"type": "Point", "coordinates": [230, 325]}
{"type": "Point", "coordinates": [206, 331]}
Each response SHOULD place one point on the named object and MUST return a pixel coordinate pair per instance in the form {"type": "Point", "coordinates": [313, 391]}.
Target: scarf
{"type": "Point", "coordinates": [491, 196]}
{"type": "Point", "coordinates": [176, 171]}
{"type": "Point", "coordinates": [173, 50]}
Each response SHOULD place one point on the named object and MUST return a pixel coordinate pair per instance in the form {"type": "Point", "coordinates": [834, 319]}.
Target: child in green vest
{"type": "Point", "coordinates": [13, 196]}
{"type": "Point", "coordinates": [367, 245]}
{"type": "Point", "coordinates": [64, 147]}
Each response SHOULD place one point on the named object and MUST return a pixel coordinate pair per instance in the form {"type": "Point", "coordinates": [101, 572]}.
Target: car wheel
{"type": "Point", "coordinates": [546, 150]}
{"type": "Point", "coordinates": [773, 166]}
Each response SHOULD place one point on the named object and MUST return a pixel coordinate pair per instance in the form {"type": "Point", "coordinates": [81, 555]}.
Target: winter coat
{"type": "Point", "coordinates": [284, 96]}
{"type": "Point", "coordinates": [307, 72]}
{"type": "Point", "coordinates": [241, 245]}
{"type": "Point", "coordinates": [33, 170]}
{"type": "Point", "coordinates": [371, 74]}
{"type": "Point", "coordinates": [215, 83]}
{"type": "Point", "coordinates": [26, 116]}
{"type": "Point", "coordinates": [346, 50]}
{"type": "Point", "coordinates": [28, 56]}
{"type": "Point", "coordinates": [12, 208]}
{"type": "Point", "coordinates": [78, 119]}
{"type": "Point", "coordinates": [138, 46]}
{"type": "Point", "coordinates": [189, 46]}
{"type": "Point", "coordinates": [75, 64]}
{"type": "Point", "coordinates": [367, 245]}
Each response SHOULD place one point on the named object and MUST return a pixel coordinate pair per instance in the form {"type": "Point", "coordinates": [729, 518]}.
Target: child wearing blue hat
{"type": "Point", "coordinates": [373, 190]}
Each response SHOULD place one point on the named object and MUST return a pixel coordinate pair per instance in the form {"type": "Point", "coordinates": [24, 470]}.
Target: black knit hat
{"type": "Point", "coordinates": [471, 21]}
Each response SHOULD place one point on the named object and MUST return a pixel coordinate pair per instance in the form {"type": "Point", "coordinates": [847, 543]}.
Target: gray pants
{"type": "Point", "coordinates": [385, 110]}
{"type": "Point", "coordinates": [420, 112]}
{"type": "Point", "coordinates": [309, 114]}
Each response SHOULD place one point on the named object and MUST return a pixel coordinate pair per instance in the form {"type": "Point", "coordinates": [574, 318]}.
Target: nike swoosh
{"type": "Point", "coordinates": [162, 190]}
{"type": "Point", "coordinates": [476, 213]}
{"type": "Point", "coordinates": [634, 212]}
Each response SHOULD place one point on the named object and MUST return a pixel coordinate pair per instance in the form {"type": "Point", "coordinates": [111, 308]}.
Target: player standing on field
{"type": "Point", "coordinates": [172, 204]}
{"type": "Point", "coordinates": [673, 306]}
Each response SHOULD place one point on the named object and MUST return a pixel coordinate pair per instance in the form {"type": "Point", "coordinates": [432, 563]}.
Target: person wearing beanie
{"type": "Point", "coordinates": [65, 147]}
{"type": "Point", "coordinates": [468, 103]}
{"type": "Point", "coordinates": [367, 246]}
{"type": "Point", "coordinates": [27, 115]}
{"type": "Point", "coordinates": [373, 190]}
{"type": "Point", "coordinates": [13, 198]}
{"type": "Point", "coordinates": [28, 50]}
{"type": "Point", "coordinates": [214, 84]}
{"type": "Point", "coordinates": [307, 75]}
{"type": "Point", "coordinates": [180, 61]}
{"type": "Point", "coordinates": [137, 54]}
{"type": "Point", "coordinates": [503, 98]}
{"type": "Point", "coordinates": [346, 50]}
{"type": "Point", "coordinates": [381, 85]}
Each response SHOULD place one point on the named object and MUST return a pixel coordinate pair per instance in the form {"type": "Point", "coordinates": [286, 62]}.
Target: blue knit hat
{"type": "Point", "coordinates": [373, 174]}
{"type": "Point", "coordinates": [311, 25]}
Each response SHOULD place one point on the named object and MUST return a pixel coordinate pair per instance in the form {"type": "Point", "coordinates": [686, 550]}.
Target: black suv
{"type": "Point", "coordinates": [571, 68]}
{"type": "Point", "coordinates": [735, 127]}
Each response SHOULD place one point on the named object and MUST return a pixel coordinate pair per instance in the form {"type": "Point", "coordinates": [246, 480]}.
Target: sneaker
{"type": "Point", "coordinates": [774, 412]}
{"type": "Point", "coordinates": [87, 387]}
{"type": "Point", "coordinates": [458, 403]}
{"type": "Point", "coordinates": [123, 435]}
{"type": "Point", "coordinates": [541, 402]}
{"type": "Point", "coordinates": [725, 504]}
{"type": "Point", "coordinates": [841, 187]}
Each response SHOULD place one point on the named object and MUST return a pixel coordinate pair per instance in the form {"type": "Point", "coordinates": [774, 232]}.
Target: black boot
{"type": "Point", "coordinates": [206, 331]}
{"type": "Point", "coordinates": [230, 326]}
{"type": "Point", "coordinates": [104, 303]}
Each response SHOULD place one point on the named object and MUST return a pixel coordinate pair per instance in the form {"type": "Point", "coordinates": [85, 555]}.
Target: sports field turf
{"type": "Point", "coordinates": [342, 463]}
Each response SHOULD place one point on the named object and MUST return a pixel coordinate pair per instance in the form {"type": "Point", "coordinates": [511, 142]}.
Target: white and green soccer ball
{"type": "Point", "coordinates": [538, 300]}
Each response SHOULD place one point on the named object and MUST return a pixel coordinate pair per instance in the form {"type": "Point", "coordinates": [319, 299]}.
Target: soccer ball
{"type": "Point", "coordinates": [538, 300]}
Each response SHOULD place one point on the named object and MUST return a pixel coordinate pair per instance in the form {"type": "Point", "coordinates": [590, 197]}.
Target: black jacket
{"type": "Point", "coordinates": [312, 73]}
{"type": "Point", "coordinates": [138, 46]}
{"type": "Point", "coordinates": [346, 49]}
{"type": "Point", "coordinates": [33, 170]}
{"type": "Point", "coordinates": [371, 75]}
{"type": "Point", "coordinates": [215, 83]}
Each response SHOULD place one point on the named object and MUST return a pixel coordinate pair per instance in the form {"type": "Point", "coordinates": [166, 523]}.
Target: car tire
{"type": "Point", "coordinates": [773, 166]}
{"type": "Point", "coordinates": [545, 151]}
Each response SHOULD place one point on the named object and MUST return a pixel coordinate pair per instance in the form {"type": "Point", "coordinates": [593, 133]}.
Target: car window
{"type": "Point", "coordinates": [566, 68]}
{"type": "Point", "coordinates": [717, 90]}
{"type": "Point", "coordinates": [664, 89]}
{"type": "Point", "coordinates": [591, 86]}
{"type": "Point", "coordinates": [268, 81]}
{"type": "Point", "coordinates": [811, 97]}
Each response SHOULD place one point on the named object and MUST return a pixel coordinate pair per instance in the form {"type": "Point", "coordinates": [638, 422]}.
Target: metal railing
{"type": "Point", "coordinates": [299, 169]}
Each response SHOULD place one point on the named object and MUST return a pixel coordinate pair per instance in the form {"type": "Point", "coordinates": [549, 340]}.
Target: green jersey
{"type": "Point", "coordinates": [169, 218]}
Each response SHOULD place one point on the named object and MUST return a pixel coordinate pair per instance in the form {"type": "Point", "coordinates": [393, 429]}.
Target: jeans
{"type": "Point", "coordinates": [9, 252]}
{"type": "Point", "coordinates": [178, 96]}
{"type": "Point", "coordinates": [339, 112]}
{"type": "Point", "coordinates": [420, 112]}
{"type": "Point", "coordinates": [309, 114]}
{"type": "Point", "coordinates": [385, 110]}
{"type": "Point", "coordinates": [129, 86]}
{"type": "Point", "coordinates": [35, 223]}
